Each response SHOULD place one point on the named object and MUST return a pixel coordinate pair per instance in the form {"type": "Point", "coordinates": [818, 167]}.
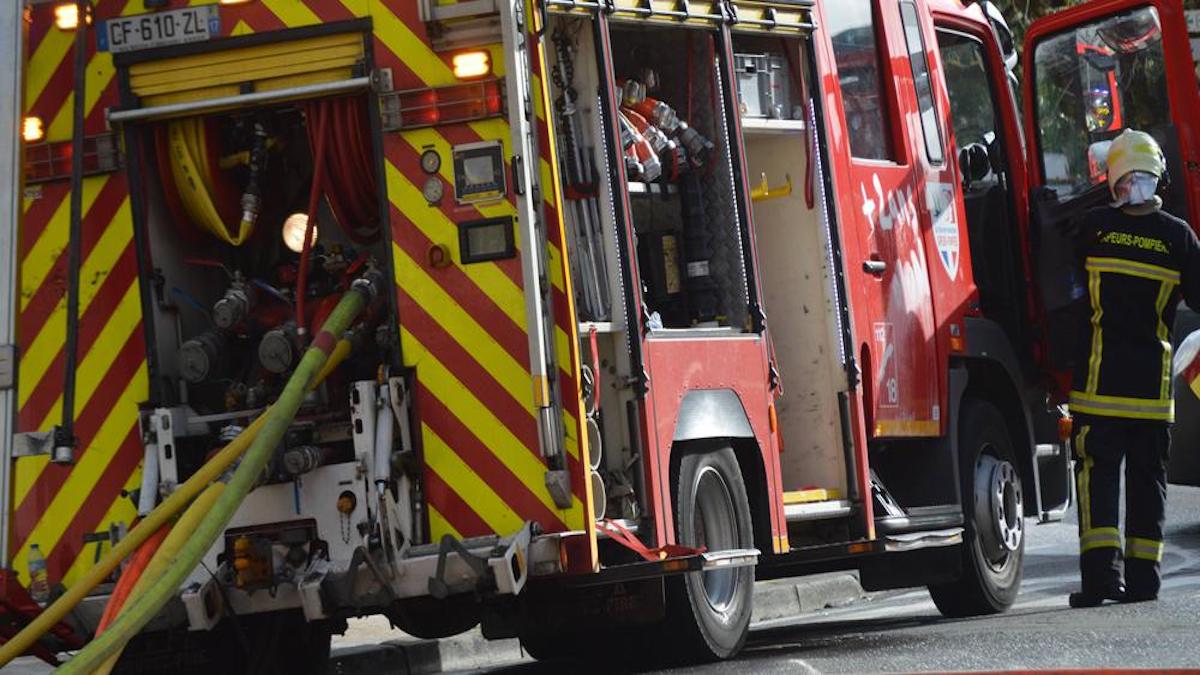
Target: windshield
{"type": "Point", "coordinates": [1091, 83]}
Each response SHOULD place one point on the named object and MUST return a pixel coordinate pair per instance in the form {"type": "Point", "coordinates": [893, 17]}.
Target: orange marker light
{"type": "Point", "coordinates": [472, 65]}
{"type": "Point", "coordinates": [66, 16]}
{"type": "Point", "coordinates": [32, 129]}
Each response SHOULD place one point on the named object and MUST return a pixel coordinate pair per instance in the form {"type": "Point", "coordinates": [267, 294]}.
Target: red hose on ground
{"type": "Point", "coordinates": [129, 577]}
{"type": "Point", "coordinates": [318, 112]}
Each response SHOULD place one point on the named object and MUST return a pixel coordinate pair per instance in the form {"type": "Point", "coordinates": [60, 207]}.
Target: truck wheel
{"type": "Point", "coordinates": [708, 613]}
{"type": "Point", "coordinates": [993, 503]}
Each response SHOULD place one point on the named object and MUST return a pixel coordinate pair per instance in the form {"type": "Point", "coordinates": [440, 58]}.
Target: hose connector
{"type": "Point", "coordinates": [369, 283]}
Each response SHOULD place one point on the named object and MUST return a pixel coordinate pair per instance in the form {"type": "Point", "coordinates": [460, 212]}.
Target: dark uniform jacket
{"type": "Point", "coordinates": [1136, 268]}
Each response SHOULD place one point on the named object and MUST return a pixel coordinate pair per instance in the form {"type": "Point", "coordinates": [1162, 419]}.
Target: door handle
{"type": "Point", "coordinates": [874, 266]}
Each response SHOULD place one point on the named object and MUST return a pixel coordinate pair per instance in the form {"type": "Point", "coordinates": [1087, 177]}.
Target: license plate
{"type": "Point", "coordinates": [145, 31]}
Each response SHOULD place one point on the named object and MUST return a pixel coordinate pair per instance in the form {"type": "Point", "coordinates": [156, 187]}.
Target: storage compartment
{"type": "Point", "coordinates": [681, 182]}
{"type": "Point", "coordinates": [800, 296]}
{"type": "Point", "coordinates": [227, 201]}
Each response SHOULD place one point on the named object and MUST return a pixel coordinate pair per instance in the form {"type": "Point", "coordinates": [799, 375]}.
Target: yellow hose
{"type": "Point", "coordinates": [162, 514]}
{"type": "Point", "coordinates": [165, 554]}
{"type": "Point", "coordinates": [190, 169]}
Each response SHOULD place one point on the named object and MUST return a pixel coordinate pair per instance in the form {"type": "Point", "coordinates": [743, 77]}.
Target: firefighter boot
{"type": "Point", "coordinates": [1093, 598]}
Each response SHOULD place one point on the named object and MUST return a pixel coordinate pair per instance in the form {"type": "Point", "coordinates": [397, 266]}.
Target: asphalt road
{"type": "Point", "coordinates": [902, 631]}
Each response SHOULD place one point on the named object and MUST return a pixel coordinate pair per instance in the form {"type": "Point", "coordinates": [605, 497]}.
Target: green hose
{"type": "Point", "coordinates": [140, 610]}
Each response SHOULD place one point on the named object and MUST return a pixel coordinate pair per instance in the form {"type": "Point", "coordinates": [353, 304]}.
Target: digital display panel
{"type": "Point", "coordinates": [482, 240]}
{"type": "Point", "coordinates": [479, 172]}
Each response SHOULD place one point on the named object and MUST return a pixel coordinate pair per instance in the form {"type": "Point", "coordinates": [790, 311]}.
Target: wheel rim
{"type": "Point", "coordinates": [999, 509]}
{"type": "Point", "coordinates": [715, 529]}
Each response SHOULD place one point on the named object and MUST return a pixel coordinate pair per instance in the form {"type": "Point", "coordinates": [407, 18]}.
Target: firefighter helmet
{"type": "Point", "coordinates": [1134, 151]}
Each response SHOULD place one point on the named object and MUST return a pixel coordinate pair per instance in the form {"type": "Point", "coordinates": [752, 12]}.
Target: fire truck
{"type": "Point", "coordinates": [566, 318]}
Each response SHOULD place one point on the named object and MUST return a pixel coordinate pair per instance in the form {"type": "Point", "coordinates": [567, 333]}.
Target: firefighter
{"type": "Point", "coordinates": [1138, 260]}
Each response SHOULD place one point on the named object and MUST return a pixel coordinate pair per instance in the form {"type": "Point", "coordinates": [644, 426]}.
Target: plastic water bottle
{"type": "Point", "coordinates": [39, 586]}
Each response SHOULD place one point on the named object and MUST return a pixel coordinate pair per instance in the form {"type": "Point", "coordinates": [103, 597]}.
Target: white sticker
{"type": "Point", "coordinates": [939, 199]}
{"type": "Point", "coordinates": [889, 369]}
{"type": "Point", "coordinates": [697, 268]}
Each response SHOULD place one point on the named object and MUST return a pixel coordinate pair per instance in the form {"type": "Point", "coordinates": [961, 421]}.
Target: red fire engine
{"type": "Point", "coordinates": [682, 294]}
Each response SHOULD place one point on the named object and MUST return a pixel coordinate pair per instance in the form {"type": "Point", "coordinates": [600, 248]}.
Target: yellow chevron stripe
{"type": "Point", "coordinates": [99, 359]}
{"type": "Point", "coordinates": [474, 338]}
{"type": "Point", "coordinates": [45, 346]}
{"type": "Point", "coordinates": [457, 398]}
{"type": "Point", "coordinates": [470, 487]}
{"type": "Point", "coordinates": [122, 510]}
{"type": "Point", "coordinates": [77, 489]}
{"type": "Point", "coordinates": [95, 365]}
{"type": "Point", "coordinates": [438, 525]}
{"type": "Point", "coordinates": [457, 322]}
{"type": "Point", "coordinates": [36, 265]}
{"type": "Point", "coordinates": [490, 279]}
{"type": "Point", "coordinates": [292, 13]}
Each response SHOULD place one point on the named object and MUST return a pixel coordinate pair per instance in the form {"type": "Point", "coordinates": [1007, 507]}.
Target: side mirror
{"type": "Point", "coordinates": [974, 163]}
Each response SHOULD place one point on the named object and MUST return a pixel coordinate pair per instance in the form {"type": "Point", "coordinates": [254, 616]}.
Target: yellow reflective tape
{"type": "Point", "coordinates": [438, 525]}
{"type": "Point", "coordinates": [94, 365]}
{"type": "Point", "coordinates": [1164, 337]}
{"type": "Point", "coordinates": [491, 280]}
{"type": "Point", "coordinates": [1122, 406]}
{"type": "Point", "coordinates": [25, 474]}
{"type": "Point", "coordinates": [45, 346]}
{"type": "Point", "coordinates": [121, 511]}
{"type": "Point", "coordinates": [49, 341]}
{"type": "Point", "coordinates": [472, 489]}
{"type": "Point", "coordinates": [292, 13]}
{"type": "Point", "coordinates": [492, 433]}
{"type": "Point", "coordinates": [52, 241]}
{"type": "Point", "coordinates": [1099, 537]}
{"type": "Point", "coordinates": [1084, 480]}
{"type": "Point", "coordinates": [76, 491]}
{"type": "Point", "coordinates": [1132, 268]}
{"type": "Point", "coordinates": [1144, 549]}
{"type": "Point", "coordinates": [1093, 378]}
{"type": "Point", "coordinates": [414, 51]}
{"type": "Point", "coordinates": [458, 322]}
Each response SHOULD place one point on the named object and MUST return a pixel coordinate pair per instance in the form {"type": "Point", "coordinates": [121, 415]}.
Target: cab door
{"type": "Point", "coordinates": [878, 170]}
{"type": "Point", "coordinates": [1098, 68]}
{"type": "Point", "coordinates": [1090, 72]}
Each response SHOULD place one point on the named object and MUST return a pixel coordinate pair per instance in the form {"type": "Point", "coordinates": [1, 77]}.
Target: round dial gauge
{"type": "Point", "coordinates": [431, 161]}
{"type": "Point", "coordinates": [433, 190]}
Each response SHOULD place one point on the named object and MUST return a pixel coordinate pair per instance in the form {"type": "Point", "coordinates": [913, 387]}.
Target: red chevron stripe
{"type": "Point", "coordinates": [54, 287]}
{"type": "Point", "coordinates": [407, 160]}
{"type": "Point", "coordinates": [480, 458]}
{"type": "Point", "coordinates": [47, 390]}
{"type": "Point", "coordinates": [99, 500]}
{"type": "Point", "coordinates": [256, 15]}
{"type": "Point", "coordinates": [48, 483]}
{"type": "Point", "coordinates": [452, 506]}
{"type": "Point", "coordinates": [473, 375]}
{"type": "Point", "coordinates": [454, 281]}
{"type": "Point", "coordinates": [40, 212]}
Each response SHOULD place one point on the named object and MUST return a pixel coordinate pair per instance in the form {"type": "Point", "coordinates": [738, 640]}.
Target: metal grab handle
{"type": "Point", "coordinates": [875, 267]}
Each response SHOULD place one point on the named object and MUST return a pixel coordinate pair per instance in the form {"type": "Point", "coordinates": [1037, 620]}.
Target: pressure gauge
{"type": "Point", "coordinates": [433, 190]}
{"type": "Point", "coordinates": [431, 161]}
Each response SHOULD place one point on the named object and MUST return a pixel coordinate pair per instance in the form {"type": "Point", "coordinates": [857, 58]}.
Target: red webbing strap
{"type": "Point", "coordinates": [595, 367]}
{"type": "Point", "coordinates": [620, 534]}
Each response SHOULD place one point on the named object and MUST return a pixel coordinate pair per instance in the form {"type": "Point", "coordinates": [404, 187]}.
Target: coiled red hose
{"type": "Point", "coordinates": [316, 117]}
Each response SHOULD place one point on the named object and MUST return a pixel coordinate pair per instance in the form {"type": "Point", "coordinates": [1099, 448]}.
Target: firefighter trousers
{"type": "Point", "coordinates": [1100, 447]}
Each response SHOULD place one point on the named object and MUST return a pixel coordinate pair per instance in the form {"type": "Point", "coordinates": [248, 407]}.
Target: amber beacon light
{"type": "Point", "coordinates": [472, 65]}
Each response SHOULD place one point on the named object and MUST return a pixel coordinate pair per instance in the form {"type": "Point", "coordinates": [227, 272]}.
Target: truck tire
{"type": "Point", "coordinates": [993, 546]}
{"type": "Point", "coordinates": [708, 613]}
